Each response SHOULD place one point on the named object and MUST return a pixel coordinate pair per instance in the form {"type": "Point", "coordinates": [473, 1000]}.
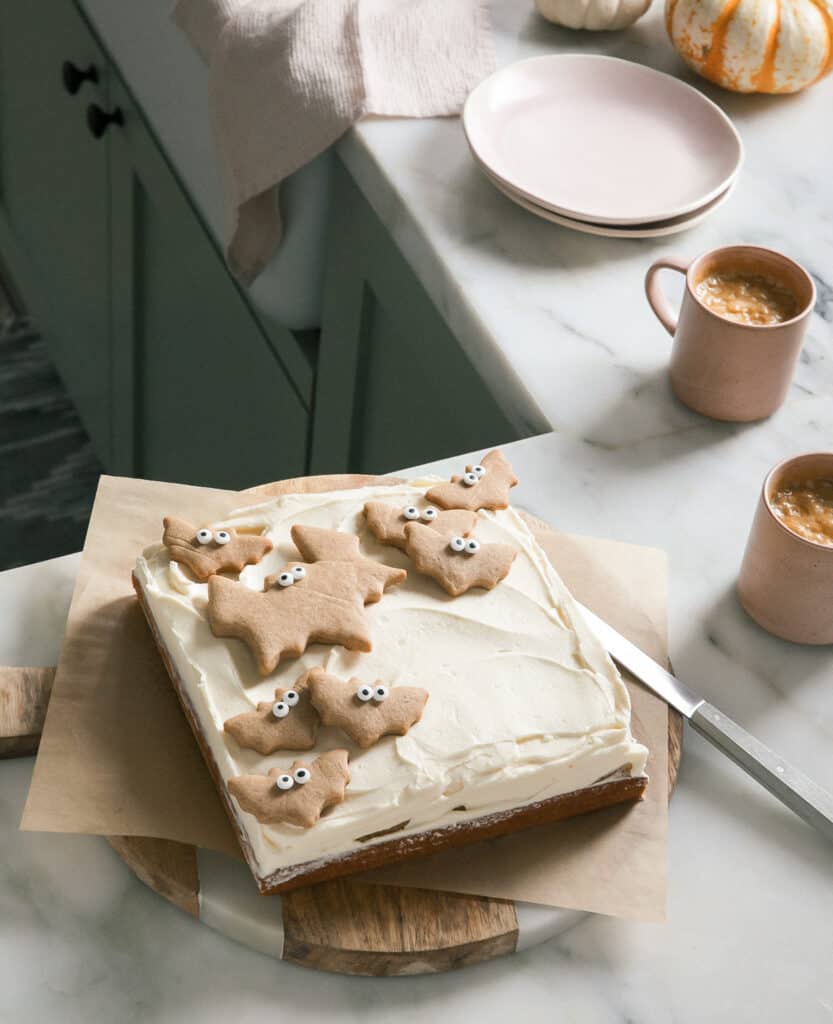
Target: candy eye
{"type": "Point", "coordinates": [457, 544]}
{"type": "Point", "coordinates": [410, 512]}
{"type": "Point", "coordinates": [364, 692]}
{"type": "Point", "coordinates": [302, 776]}
{"type": "Point", "coordinates": [291, 698]}
{"type": "Point", "coordinates": [380, 693]}
{"type": "Point", "coordinates": [429, 515]}
{"type": "Point", "coordinates": [472, 546]}
{"type": "Point", "coordinates": [469, 479]}
{"type": "Point", "coordinates": [284, 782]}
{"type": "Point", "coordinates": [222, 537]}
{"type": "Point", "coordinates": [280, 709]}
{"type": "Point", "coordinates": [478, 471]}
{"type": "Point", "coordinates": [299, 572]}
{"type": "Point", "coordinates": [286, 579]}
{"type": "Point", "coordinates": [204, 536]}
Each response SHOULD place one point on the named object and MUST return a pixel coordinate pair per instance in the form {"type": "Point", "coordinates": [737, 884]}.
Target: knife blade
{"type": "Point", "coordinates": [794, 789]}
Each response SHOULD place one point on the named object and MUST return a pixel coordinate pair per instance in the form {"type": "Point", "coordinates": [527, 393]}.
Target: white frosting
{"type": "Point", "coordinates": [524, 703]}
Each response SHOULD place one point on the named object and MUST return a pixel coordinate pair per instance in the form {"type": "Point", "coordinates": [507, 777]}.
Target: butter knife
{"type": "Point", "coordinates": [803, 796]}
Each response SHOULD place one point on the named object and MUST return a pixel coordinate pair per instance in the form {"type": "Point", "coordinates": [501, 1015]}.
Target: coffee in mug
{"type": "Point", "coordinates": [739, 332]}
{"type": "Point", "coordinates": [786, 577]}
{"type": "Point", "coordinates": [806, 508]}
{"type": "Point", "coordinates": [746, 297]}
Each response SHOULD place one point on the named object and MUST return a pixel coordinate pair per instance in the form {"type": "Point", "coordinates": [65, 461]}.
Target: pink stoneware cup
{"type": "Point", "coordinates": [786, 582]}
{"type": "Point", "coordinates": [723, 369]}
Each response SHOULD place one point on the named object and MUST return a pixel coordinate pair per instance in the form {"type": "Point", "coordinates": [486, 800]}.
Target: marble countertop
{"type": "Point", "coordinates": [556, 321]}
{"type": "Point", "coordinates": [748, 934]}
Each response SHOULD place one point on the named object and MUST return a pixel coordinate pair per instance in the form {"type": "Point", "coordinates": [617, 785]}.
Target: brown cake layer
{"type": "Point", "coordinates": [617, 788]}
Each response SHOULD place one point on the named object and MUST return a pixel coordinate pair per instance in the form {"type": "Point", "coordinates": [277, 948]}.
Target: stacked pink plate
{"type": "Point", "coordinates": [602, 145]}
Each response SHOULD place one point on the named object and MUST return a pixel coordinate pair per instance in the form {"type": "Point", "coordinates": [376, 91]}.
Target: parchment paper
{"type": "Point", "coordinates": [117, 756]}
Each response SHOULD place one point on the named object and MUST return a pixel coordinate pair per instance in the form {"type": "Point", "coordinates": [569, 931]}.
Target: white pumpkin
{"type": "Point", "coordinates": [596, 15]}
{"type": "Point", "coordinates": [754, 45]}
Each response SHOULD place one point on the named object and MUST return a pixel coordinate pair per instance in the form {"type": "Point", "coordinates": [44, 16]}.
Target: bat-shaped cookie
{"type": "Point", "coordinates": [301, 605]}
{"type": "Point", "coordinates": [387, 522]}
{"type": "Point", "coordinates": [483, 486]}
{"type": "Point", "coordinates": [319, 545]}
{"type": "Point", "coordinates": [207, 551]}
{"type": "Point", "coordinates": [289, 722]}
{"type": "Point", "coordinates": [296, 796]}
{"type": "Point", "coordinates": [365, 711]}
{"type": "Point", "coordinates": [457, 563]}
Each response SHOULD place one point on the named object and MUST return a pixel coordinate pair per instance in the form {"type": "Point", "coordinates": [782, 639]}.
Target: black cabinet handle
{"type": "Point", "coordinates": [98, 120]}
{"type": "Point", "coordinates": [73, 77]}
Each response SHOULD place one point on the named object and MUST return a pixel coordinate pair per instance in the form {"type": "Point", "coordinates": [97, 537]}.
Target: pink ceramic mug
{"type": "Point", "coordinates": [786, 581]}
{"type": "Point", "coordinates": [724, 369]}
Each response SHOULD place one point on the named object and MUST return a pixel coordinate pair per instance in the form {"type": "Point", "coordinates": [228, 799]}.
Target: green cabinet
{"type": "Point", "coordinates": [173, 373]}
{"type": "Point", "coordinates": [54, 196]}
{"type": "Point", "coordinates": [394, 388]}
{"type": "Point", "coordinates": [201, 395]}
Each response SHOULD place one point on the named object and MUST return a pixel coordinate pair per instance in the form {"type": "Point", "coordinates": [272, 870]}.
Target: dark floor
{"type": "Point", "coordinates": [48, 472]}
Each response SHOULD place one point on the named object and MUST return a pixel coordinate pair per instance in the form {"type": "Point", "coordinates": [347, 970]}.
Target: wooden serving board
{"type": "Point", "coordinates": [344, 926]}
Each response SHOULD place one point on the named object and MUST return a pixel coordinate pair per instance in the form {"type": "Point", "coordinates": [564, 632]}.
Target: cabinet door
{"type": "Point", "coordinates": [394, 387]}
{"type": "Point", "coordinates": [53, 196]}
{"type": "Point", "coordinates": [200, 395]}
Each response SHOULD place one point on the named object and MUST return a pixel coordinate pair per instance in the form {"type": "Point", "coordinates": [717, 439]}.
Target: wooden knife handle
{"type": "Point", "coordinates": [24, 695]}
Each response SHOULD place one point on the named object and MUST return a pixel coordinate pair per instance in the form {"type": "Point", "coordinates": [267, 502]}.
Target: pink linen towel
{"type": "Point", "coordinates": [289, 77]}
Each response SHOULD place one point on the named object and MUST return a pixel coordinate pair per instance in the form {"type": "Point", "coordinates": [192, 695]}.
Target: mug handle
{"type": "Point", "coordinates": [656, 296]}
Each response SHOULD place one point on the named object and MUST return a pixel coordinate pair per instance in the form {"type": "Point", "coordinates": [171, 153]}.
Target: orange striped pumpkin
{"type": "Point", "coordinates": [754, 45]}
